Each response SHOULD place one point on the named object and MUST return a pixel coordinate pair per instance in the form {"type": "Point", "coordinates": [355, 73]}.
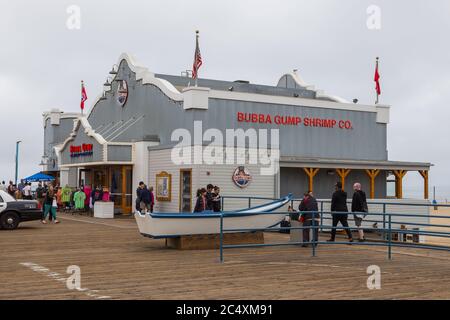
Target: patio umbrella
{"type": "Point", "coordinates": [39, 177]}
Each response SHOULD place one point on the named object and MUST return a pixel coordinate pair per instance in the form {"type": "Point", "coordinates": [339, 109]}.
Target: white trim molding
{"type": "Point", "coordinates": [87, 130]}
{"type": "Point", "coordinates": [194, 96]}
{"type": "Point", "coordinates": [146, 76]}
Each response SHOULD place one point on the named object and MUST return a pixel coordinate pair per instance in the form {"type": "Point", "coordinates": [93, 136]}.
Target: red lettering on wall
{"type": "Point", "coordinates": [287, 120]}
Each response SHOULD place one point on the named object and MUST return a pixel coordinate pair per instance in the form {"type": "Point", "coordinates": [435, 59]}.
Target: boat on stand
{"type": "Point", "coordinates": [168, 225]}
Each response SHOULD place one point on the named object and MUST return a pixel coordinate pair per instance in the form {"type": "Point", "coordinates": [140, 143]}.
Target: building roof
{"type": "Point", "coordinates": [286, 161]}
{"type": "Point", "coordinates": [291, 89]}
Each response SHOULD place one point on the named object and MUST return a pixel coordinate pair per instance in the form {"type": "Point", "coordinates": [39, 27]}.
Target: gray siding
{"type": "Point", "coordinates": [119, 153]}
{"type": "Point", "coordinates": [55, 135]}
{"type": "Point", "coordinates": [202, 175]}
{"type": "Point", "coordinates": [157, 115]}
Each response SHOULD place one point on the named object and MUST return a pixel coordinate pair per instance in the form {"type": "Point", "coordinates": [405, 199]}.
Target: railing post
{"type": "Point", "coordinates": [249, 202]}
{"type": "Point", "coordinates": [221, 237]}
{"type": "Point", "coordinates": [313, 234]}
{"type": "Point", "coordinates": [384, 222]}
{"type": "Point", "coordinates": [390, 238]}
{"type": "Point", "coordinates": [222, 202]}
{"type": "Point", "coordinates": [321, 216]}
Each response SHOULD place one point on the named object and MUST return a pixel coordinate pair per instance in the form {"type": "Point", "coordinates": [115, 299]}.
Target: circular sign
{"type": "Point", "coordinates": [241, 177]}
{"type": "Point", "coordinates": [122, 92]}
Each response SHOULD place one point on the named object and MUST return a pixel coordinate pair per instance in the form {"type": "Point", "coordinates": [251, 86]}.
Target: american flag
{"type": "Point", "coordinates": [197, 60]}
{"type": "Point", "coordinates": [83, 96]}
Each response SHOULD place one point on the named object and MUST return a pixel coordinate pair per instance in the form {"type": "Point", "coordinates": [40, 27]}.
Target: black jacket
{"type": "Point", "coordinates": [144, 196]}
{"type": "Point", "coordinates": [359, 201]}
{"type": "Point", "coordinates": [309, 208]}
{"type": "Point", "coordinates": [216, 203]}
{"type": "Point", "coordinates": [209, 201]}
{"type": "Point", "coordinates": [339, 201]}
{"type": "Point", "coordinates": [199, 205]}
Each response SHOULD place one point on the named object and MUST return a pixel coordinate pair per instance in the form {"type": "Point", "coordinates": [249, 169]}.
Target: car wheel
{"type": "Point", "coordinates": [9, 220]}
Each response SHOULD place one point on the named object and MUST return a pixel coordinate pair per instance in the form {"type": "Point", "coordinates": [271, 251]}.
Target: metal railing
{"type": "Point", "coordinates": [392, 223]}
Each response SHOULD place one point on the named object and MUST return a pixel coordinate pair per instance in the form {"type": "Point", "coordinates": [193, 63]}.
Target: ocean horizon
{"type": "Point", "coordinates": [416, 192]}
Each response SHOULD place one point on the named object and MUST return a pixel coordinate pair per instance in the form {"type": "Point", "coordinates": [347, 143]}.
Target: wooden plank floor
{"type": "Point", "coordinates": [118, 263]}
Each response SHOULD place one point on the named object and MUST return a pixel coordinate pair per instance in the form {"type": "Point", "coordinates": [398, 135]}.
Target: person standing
{"type": "Point", "coordinates": [59, 197]}
{"type": "Point", "coordinates": [339, 204]}
{"type": "Point", "coordinates": [11, 189]}
{"type": "Point", "coordinates": [145, 199]}
{"type": "Point", "coordinates": [138, 196]}
{"type": "Point", "coordinates": [40, 195]}
{"type": "Point", "coordinates": [21, 186]}
{"type": "Point", "coordinates": [152, 199]}
{"type": "Point", "coordinates": [309, 215]}
{"type": "Point", "coordinates": [216, 199]}
{"type": "Point", "coordinates": [359, 208]}
{"type": "Point", "coordinates": [26, 191]}
{"type": "Point", "coordinates": [209, 197]}
{"type": "Point", "coordinates": [200, 205]}
{"type": "Point", "coordinates": [50, 205]}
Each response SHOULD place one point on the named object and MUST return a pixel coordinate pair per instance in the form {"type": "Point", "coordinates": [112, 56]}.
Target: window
{"type": "Point", "coordinates": [185, 190]}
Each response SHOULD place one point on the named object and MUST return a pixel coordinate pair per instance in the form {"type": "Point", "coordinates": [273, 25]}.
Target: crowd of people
{"type": "Point", "coordinates": [339, 211]}
{"type": "Point", "coordinates": [19, 191]}
{"type": "Point", "coordinates": [208, 199]}
{"type": "Point", "coordinates": [53, 198]}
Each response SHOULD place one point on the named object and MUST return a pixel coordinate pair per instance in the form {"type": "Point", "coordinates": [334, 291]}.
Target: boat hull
{"type": "Point", "coordinates": [174, 227]}
{"type": "Point", "coordinates": [161, 225]}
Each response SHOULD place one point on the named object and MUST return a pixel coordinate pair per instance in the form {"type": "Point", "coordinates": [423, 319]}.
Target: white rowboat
{"type": "Point", "coordinates": [167, 225]}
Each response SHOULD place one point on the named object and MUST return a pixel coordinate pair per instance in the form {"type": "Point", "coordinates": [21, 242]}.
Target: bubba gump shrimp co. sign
{"type": "Point", "coordinates": [83, 150]}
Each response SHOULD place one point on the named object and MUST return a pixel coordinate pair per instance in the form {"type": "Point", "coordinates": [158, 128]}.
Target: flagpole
{"type": "Point", "coordinates": [376, 68]}
{"type": "Point", "coordinates": [196, 39]}
{"type": "Point", "coordinates": [82, 95]}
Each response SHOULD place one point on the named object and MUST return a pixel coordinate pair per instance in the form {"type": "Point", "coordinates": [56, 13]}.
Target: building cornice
{"type": "Point", "coordinates": [189, 97]}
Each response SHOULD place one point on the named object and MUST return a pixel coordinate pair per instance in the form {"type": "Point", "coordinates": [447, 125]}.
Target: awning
{"type": "Point", "coordinates": [39, 177]}
{"type": "Point", "coordinates": [287, 161]}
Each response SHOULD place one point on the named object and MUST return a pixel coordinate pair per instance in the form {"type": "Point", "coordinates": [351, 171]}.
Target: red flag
{"type": "Point", "coordinates": [377, 79]}
{"type": "Point", "coordinates": [197, 59]}
{"type": "Point", "coordinates": [83, 96]}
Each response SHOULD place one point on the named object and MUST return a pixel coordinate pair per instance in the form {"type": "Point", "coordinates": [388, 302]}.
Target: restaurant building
{"type": "Point", "coordinates": [137, 128]}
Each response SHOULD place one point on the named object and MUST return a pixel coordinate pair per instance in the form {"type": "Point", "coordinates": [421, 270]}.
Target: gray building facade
{"type": "Point", "coordinates": [322, 138]}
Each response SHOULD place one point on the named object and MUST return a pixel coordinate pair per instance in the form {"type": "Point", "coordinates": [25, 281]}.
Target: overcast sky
{"type": "Point", "coordinates": [42, 61]}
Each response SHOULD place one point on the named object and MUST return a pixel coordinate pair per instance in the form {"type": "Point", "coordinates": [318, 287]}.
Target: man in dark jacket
{"type": "Point", "coordinates": [138, 196]}
{"type": "Point", "coordinates": [309, 215]}
{"type": "Point", "coordinates": [145, 199]}
{"type": "Point", "coordinates": [359, 208]}
{"type": "Point", "coordinates": [339, 204]}
{"type": "Point", "coordinates": [209, 197]}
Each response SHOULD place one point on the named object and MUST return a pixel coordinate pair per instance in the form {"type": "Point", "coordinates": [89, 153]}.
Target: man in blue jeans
{"type": "Point", "coordinates": [309, 215]}
{"type": "Point", "coordinates": [339, 204]}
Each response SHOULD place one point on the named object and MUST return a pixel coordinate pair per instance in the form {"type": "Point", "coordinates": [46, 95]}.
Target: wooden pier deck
{"type": "Point", "coordinates": [118, 263]}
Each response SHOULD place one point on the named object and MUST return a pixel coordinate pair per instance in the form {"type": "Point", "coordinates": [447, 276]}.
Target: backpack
{"type": "Point", "coordinates": [285, 224]}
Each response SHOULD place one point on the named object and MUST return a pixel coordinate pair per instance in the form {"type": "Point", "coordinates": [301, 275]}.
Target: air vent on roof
{"type": "Point", "coordinates": [242, 81]}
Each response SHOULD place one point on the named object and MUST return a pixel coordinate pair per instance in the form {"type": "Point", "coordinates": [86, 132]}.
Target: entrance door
{"type": "Point", "coordinates": [127, 187]}
{"type": "Point", "coordinates": [121, 185]}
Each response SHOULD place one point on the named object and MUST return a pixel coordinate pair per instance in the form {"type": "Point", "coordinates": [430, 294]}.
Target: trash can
{"type": "Point", "coordinates": [296, 234]}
